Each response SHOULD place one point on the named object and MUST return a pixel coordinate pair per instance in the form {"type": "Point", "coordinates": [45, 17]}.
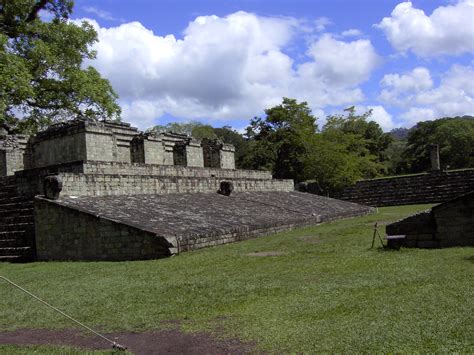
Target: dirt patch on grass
{"type": "Point", "coordinates": [310, 239]}
{"type": "Point", "coordinates": [170, 341]}
{"type": "Point", "coordinates": [266, 253]}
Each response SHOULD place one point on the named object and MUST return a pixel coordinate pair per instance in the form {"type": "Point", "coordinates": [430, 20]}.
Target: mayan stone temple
{"type": "Point", "coordinates": [87, 190]}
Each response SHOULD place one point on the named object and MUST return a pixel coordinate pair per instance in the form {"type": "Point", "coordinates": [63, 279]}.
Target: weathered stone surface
{"type": "Point", "coordinates": [188, 221]}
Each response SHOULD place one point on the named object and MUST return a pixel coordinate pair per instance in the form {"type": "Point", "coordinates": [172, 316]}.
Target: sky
{"type": "Point", "coordinates": [224, 62]}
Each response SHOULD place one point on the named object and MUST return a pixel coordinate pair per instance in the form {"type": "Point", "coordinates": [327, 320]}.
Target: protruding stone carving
{"type": "Point", "coordinates": [52, 187]}
{"type": "Point", "coordinates": [225, 188]}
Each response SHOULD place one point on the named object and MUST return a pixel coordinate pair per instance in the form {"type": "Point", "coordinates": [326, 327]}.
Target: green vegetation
{"type": "Point", "coordinates": [41, 73]}
{"type": "Point", "coordinates": [455, 137]}
{"type": "Point", "coordinates": [325, 292]}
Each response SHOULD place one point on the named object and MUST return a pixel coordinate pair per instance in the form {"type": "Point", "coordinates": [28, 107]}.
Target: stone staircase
{"type": "Point", "coordinates": [17, 241]}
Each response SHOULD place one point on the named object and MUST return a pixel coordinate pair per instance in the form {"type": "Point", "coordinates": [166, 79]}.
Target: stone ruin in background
{"type": "Point", "coordinates": [83, 140]}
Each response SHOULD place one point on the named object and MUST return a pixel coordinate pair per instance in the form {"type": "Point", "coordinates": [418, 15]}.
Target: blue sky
{"type": "Point", "coordinates": [224, 61]}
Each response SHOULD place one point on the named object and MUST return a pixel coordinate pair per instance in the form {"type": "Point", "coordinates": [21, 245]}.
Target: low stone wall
{"type": "Point", "coordinates": [128, 177]}
{"type": "Point", "coordinates": [114, 185]}
{"type": "Point", "coordinates": [448, 224]}
{"type": "Point", "coordinates": [413, 189]}
{"type": "Point", "coordinates": [68, 234]}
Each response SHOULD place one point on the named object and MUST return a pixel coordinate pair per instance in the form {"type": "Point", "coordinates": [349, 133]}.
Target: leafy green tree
{"type": "Point", "coordinates": [42, 80]}
{"type": "Point", "coordinates": [395, 163]}
{"type": "Point", "coordinates": [193, 129]}
{"type": "Point", "coordinates": [455, 137]}
{"type": "Point", "coordinates": [281, 140]}
{"type": "Point", "coordinates": [368, 132]}
{"type": "Point", "coordinates": [338, 159]}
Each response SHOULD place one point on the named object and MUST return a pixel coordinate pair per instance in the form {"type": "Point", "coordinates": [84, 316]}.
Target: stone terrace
{"type": "Point", "coordinates": [175, 222]}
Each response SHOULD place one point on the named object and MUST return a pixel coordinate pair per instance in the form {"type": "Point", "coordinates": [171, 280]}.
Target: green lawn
{"type": "Point", "coordinates": [327, 291]}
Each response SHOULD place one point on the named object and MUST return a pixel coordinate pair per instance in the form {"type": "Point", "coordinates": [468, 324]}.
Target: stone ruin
{"type": "Point", "coordinates": [87, 190]}
{"type": "Point", "coordinates": [448, 224]}
{"type": "Point", "coordinates": [84, 140]}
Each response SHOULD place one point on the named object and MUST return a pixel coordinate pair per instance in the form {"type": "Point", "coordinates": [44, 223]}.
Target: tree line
{"type": "Point", "coordinates": [289, 142]}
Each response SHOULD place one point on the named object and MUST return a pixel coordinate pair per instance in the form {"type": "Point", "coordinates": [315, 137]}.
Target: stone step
{"type": "Point", "coordinates": [7, 182]}
{"type": "Point", "coordinates": [16, 251]}
{"type": "Point", "coordinates": [14, 258]}
{"type": "Point", "coordinates": [12, 243]}
{"type": "Point", "coordinates": [7, 194]}
{"type": "Point", "coordinates": [17, 212]}
{"type": "Point", "coordinates": [20, 235]}
{"type": "Point", "coordinates": [16, 227]}
{"type": "Point", "coordinates": [17, 219]}
{"type": "Point", "coordinates": [16, 205]}
{"type": "Point", "coordinates": [10, 200]}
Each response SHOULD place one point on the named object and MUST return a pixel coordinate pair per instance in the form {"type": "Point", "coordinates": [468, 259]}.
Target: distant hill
{"type": "Point", "coordinates": [399, 134]}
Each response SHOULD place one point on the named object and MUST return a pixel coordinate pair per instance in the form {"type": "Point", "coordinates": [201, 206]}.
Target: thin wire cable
{"type": "Point", "coordinates": [115, 345]}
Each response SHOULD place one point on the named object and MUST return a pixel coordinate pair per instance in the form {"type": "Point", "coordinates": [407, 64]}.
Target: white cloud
{"type": "Point", "coordinates": [227, 68]}
{"type": "Point", "coordinates": [352, 33]}
{"type": "Point", "coordinates": [321, 23]}
{"type": "Point", "coordinates": [382, 117]}
{"type": "Point", "coordinates": [416, 92]}
{"type": "Point", "coordinates": [401, 89]}
{"type": "Point", "coordinates": [447, 31]}
{"type": "Point", "coordinates": [346, 63]}
{"type": "Point", "coordinates": [455, 94]}
{"type": "Point", "coordinates": [416, 114]}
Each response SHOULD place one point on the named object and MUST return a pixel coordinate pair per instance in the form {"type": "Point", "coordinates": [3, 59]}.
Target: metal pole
{"type": "Point", "coordinates": [115, 345]}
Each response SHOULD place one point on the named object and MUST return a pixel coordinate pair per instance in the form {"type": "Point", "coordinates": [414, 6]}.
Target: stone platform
{"type": "Point", "coordinates": [151, 226]}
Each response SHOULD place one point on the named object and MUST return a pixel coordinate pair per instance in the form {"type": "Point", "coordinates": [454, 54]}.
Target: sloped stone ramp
{"type": "Point", "coordinates": [150, 226]}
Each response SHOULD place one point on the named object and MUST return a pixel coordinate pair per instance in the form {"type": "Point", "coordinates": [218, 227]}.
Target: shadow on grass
{"type": "Point", "coordinates": [469, 258]}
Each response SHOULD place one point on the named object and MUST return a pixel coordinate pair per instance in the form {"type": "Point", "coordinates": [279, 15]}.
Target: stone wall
{"type": "Point", "coordinates": [412, 189]}
{"type": "Point", "coordinates": [82, 140]}
{"type": "Point", "coordinates": [194, 155]}
{"type": "Point", "coordinates": [13, 154]}
{"type": "Point", "coordinates": [108, 185]}
{"type": "Point", "coordinates": [227, 153]}
{"type": "Point", "coordinates": [173, 178]}
{"type": "Point", "coordinates": [448, 224]}
{"type": "Point", "coordinates": [67, 234]}
{"type": "Point", "coordinates": [11, 160]}
{"type": "Point", "coordinates": [99, 167]}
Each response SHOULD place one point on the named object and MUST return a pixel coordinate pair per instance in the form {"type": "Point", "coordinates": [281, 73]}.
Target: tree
{"type": "Point", "coordinates": [280, 141]}
{"type": "Point", "coordinates": [455, 137]}
{"type": "Point", "coordinates": [370, 135]}
{"type": "Point", "coordinates": [41, 76]}
{"type": "Point", "coordinates": [193, 129]}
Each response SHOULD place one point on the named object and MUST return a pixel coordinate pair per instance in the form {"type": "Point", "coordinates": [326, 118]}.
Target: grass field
{"type": "Point", "coordinates": [320, 289]}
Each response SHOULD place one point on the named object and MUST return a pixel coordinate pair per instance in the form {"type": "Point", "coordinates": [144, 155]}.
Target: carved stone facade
{"type": "Point", "coordinates": [83, 140]}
